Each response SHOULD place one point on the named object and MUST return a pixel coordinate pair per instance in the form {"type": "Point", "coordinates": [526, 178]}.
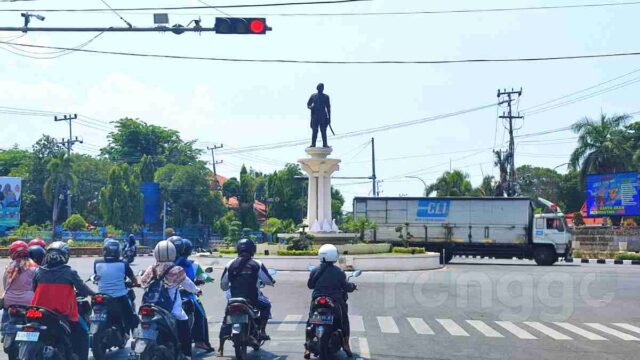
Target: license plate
{"type": "Point", "coordinates": [318, 319]}
{"type": "Point", "coordinates": [99, 317]}
{"type": "Point", "coordinates": [148, 334]}
{"type": "Point", "coordinates": [237, 319]}
{"type": "Point", "coordinates": [27, 336]}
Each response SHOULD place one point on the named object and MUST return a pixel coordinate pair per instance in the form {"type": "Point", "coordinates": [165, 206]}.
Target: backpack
{"type": "Point", "coordinates": [157, 292]}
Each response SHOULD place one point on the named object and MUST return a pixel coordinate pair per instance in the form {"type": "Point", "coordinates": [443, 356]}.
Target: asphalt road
{"type": "Point", "coordinates": [473, 309]}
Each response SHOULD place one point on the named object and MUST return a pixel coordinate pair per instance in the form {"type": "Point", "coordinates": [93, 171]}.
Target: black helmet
{"type": "Point", "coordinates": [132, 237]}
{"type": "Point", "coordinates": [187, 248]}
{"type": "Point", "coordinates": [179, 244]}
{"type": "Point", "coordinates": [246, 247]}
{"type": "Point", "coordinates": [111, 250]}
{"type": "Point", "coordinates": [36, 253]}
{"type": "Point", "coordinates": [57, 254]}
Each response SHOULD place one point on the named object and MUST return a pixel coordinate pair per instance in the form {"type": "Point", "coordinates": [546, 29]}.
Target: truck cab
{"type": "Point", "coordinates": [550, 231]}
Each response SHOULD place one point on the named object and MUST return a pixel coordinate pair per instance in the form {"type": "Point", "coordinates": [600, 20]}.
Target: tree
{"type": "Point", "coordinates": [578, 220]}
{"type": "Point", "coordinates": [603, 146]}
{"type": "Point", "coordinates": [451, 183]}
{"type": "Point", "coordinates": [359, 226]}
{"type": "Point", "coordinates": [35, 209]}
{"type": "Point", "coordinates": [571, 193]}
{"type": "Point", "coordinates": [121, 199]}
{"type": "Point", "coordinates": [537, 182]}
{"type": "Point", "coordinates": [487, 188]}
{"type": "Point", "coordinates": [57, 185]}
{"type": "Point", "coordinates": [92, 176]}
{"type": "Point", "coordinates": [75, 222]}
{"type": "Point", "coordinates": [147, 169]}
{"type": "Point", "coordinates": [231, 188]}
{"type": "Point", "coordinates": [273, 226]}
{"type": "Point", "coordinates": [288, 192]}
{"type": "Point", "coordinates": [337, 201]}
{"type": "Point", "coordinates": [12, 160]}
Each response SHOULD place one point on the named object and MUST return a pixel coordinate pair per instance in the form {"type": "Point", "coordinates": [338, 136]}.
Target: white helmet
{"type": "Point", "coordinates": [328, 253]}
{"type": "Point", "coordinates": [165, 251]}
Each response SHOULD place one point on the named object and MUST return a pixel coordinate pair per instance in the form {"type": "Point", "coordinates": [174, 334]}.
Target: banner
{"type": "Point", "coordinates": [10, 191]}
{"type": "Point", "coordinates": [613, 195]}
{"type": "Point", "coordinates": [150, 202]}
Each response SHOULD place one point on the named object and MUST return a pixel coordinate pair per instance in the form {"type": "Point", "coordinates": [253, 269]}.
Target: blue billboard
{"type": "Point", "coordinates": [433, 209]}
{"type": "Point", "coordinates": [613, 195]}
{"type": "Point", "coordinates": [150, 202]}
{"type": "Point", "coordinates": [10, 199]}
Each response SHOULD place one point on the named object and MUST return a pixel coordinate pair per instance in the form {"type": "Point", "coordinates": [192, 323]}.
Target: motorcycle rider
{"type": "Point", "coordinates": [329, 280]}
{"type": "Point", "coordinates": [55, 285]}
{"type": "Point", "coordinates": [130, 243]}
{"type": "Point", "coordinates": [241, 279]}
{"type": "Point", "coordinates": [111, 272]}
{"type": "Point", "coordinates": [17, 280]}
{"type": "Point", "coordinates": [36, 253]}
{"type": "Point", "coordinates": [38, 242]}
{"type": "Point", "coordinates": [165, 255]}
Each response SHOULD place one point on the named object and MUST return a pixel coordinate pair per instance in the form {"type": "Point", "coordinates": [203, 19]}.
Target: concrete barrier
{"type": "Point", "coordinates": [351, 249]}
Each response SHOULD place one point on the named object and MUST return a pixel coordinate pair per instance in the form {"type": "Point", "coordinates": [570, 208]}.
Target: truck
{"type": "Point", "coordinates": [497, 227]}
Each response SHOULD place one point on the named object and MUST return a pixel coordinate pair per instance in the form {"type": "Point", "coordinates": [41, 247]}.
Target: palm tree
{"type": "Point", "coordinates": [602, 146]}
{"type": "Point", "coordinates": [61, 181]}
{"type": "Point", "coordinates": [451, 183]}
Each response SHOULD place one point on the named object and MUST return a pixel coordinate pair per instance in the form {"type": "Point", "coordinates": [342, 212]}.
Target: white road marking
{"type": "Point", "coordinates": [356, 322]}
{"type": "Point", "coordinates": [452, 328]}
{"type": "Point", "coordinates": [614, 332]}
{"type": "Point", "coordinates": [388, 325]}
{"type": "Point", "coordinates": [365, 354]}
{"type": "Point", "coordinates": [587, 334]}
{"type": "Point", "coordinates": [628, 327]}
{"type": "Point", "coordinates": [290, 323]}
{"type": "Point", "coordinates": [516, 330]}
{"type": "Point", "coordinates": [547, 331]}
{"type": "Point", "coordinates": [420, 326]}
{"type": "Point", "coordinates": [485, 329]}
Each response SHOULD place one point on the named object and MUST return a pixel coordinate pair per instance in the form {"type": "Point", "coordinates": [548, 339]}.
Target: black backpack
{"type": "Point", "coordinates": [158, 294]}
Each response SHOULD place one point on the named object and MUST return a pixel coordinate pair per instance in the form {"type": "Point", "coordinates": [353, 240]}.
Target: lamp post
{"type": "Point", "coordinates": [423, 183]}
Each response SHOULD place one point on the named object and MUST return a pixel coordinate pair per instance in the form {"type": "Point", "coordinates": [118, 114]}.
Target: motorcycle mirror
{"type": "Point", "coordinates": [208, 270]}
{"type": "Point", "coordinates": [310, 267]}
{"type": "Point", "coordinates": [357, 273]}
{"type": "Point", "coordinates": [272, 272]}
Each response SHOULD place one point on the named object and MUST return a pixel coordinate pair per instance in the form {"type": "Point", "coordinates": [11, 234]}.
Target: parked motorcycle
{"type": "Point", "coordinates": [324, 333]}
{"type": "Point", "coordinates": [9, 329]}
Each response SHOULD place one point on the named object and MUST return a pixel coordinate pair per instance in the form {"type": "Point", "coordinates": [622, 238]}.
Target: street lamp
{"type": "Point", "coordinates": [561, 165]}
{"type": "Point", "coordinates": [423, 183]}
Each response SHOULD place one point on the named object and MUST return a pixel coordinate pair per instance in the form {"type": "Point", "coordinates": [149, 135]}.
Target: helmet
{"type": "Point", "coordinates": [132, 237]}
{"type": "Point", "coordinates": [18, 250]}
{"type": "Point", "coordinates": [111, 249]}
{"type": "Point", "coordinates": [328, 253]}
{"type": "Point", "coordinates": [179, 243]}
{"type": "Point", "coordinates": [187, 248]}
{"type": "Point", "coordinates": [246, 247]}
{"type": "Point", "coordinates": [165, 251]}
{"type": "Point", "coordinates": [36, 253]}
{"type": "Point", "coordinates": [38, 242]}
{"type": "Point", "coordinates": [57, 254]}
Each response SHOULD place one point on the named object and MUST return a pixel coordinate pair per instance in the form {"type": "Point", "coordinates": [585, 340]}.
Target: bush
{"type": "Point", "coordinates": [75, 222]}
{"type": "Point", "coordinates": [408, 250]}
{"type": "Point", "coordinates": [628, 256]}
{"type": "Point", "coordinates": [228, 251]}
{"type": "Point", "coordinates": [297, 252]}
{"type": "Point", "coordinates": [300, 244]}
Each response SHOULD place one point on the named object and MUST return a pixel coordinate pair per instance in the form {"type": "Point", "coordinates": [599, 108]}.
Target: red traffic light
{"type": "Point", "coordinates": [257, 26]}
{"type": "Point", "coordinates": [250, 26]}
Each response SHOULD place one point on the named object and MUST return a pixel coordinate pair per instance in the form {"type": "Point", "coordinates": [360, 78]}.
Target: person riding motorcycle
{"type": "Point", "coordinates": [165, 255]}
{"type": "Point", "coordinates": [241, 279]}
{"type": "Point", "coordinates": [200, 329]}
{"type": "Point", "coordinates": [130, 244]}
{"type": "Point", "coordinates": [17, 280]}
{"type": "Point", "coordinates": [329, 280]}
{"type": "Point", "coordinates": [36, 253]}
{"type": "Point", "coordinates": [38, 242]}
{"type": "Point", "coordinates": [111, 272]}
{"type": "Point", "coordinates": [55, 285]}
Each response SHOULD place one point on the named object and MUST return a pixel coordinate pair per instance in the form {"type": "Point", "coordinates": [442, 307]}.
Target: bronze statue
{"type": "Point", "coordinates": [320, 107]}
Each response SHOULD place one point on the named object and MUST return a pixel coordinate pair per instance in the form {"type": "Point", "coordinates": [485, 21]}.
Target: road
{"type": "Point", "coordinates": [472, 309]}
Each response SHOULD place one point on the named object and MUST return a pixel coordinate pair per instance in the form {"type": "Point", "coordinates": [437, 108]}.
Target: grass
{"type": "Point", "coordinates": [628, 256]}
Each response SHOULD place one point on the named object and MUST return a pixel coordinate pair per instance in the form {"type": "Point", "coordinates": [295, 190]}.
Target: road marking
{"type": "Point", "coordinates": [588, 334]}
{"type": "Point", "coordinates": [452, 328]}
{"type": "Point", "coordinates": [614, 332]}
{"type": "Point", "coordinates": [516, 330]}
{"type": "Point", "coordinates": [388, 325]}
{"type": "Point", "coordinates": [547, 331]}
{"type": "Point", "coordinates": [356, 322]}
{"type": "Point", "coordinates": [485, 329]}
{"type": "Point", "coordinates": [290, 323]}
{"type": "Point", "coordinates": [420, 326]}
{"type": "Point", "coordinates": [628, 327]}
{"type": "Point", "coordinates": [364, 348]}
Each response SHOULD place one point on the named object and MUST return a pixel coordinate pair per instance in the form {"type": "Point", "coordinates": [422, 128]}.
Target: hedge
{"type": "Point", "coordinates": [408, 250]}
{"type": "Point", "coordinates": [228, 251]}
{"type": "Point", "coordinates": [297, 252]}
{"type": "Point", "coordinates": [628, 256]}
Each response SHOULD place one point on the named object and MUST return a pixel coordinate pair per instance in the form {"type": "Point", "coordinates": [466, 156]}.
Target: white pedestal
{"type": "Point", "coordinates": [319, 168]}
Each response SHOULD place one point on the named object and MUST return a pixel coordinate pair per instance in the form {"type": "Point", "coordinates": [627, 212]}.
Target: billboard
{"type": "Point", "coordinates": [150, 202]}
{"type": "Point", "coordinates": [10, 191]}
{"type": "Point", "coordinates": [613, 195]}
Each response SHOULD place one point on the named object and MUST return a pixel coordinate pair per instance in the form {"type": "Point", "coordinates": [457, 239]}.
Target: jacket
{"type": "Point", "coordinates": [55, 289]}
{"type": "Point", "coordinates": [328, 279]}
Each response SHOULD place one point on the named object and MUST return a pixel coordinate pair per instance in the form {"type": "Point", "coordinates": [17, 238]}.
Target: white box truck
{"type": "Point", "coordinates": [495, 227]}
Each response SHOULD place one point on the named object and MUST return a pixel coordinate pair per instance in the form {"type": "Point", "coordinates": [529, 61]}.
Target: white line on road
{"type": "Point", "coordinates": [290, 323]}
{"type": "Point", "coordinates": [628, 327]}
{"type": "Point", "coordinates": [420, 326]}
{"type": "Point", "coordinates": [516, 330]}
{"type": "Point", "coordinates": [547, 331]}
{"type": "Point", "coordinates": [587, 334]}
{"type": "Point", "coordinates": [484, 328]}
{"type": "Point", "coordinates": [451, 327]}
{"type": "Point", "coordinates": [614, 332]}
{"type": "Point", "coordinates": [388, 325]}
{"type": "Point", "coordinates": [365, 354]}
{"type": "Point", "coordinates": [356, 322]}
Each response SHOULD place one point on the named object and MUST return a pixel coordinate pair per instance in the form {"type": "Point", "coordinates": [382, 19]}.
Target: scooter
{"type": "Point", "coordinates": [9, 329]}
{"type": "Point", "coordinates": [129, 254]}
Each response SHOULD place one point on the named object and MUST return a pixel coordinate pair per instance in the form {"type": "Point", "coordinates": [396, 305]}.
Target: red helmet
{"type": "Point", "coordinates": [38, 242]}
{"type": "Point", "coordinates": [18, 250]}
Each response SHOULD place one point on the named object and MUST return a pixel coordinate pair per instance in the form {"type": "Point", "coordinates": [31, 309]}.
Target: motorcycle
{"type": "Point", "coordinates": [189, 301]}
{"type": "Point", "coordinates": [9, 329]}
{"type": "Point", "coordinates": [244, 320]}
{"type": "Point", "coordinates": [46, 334]}
{"type": "Point", "coordinates": [324, 332]}
{"type": "Point", "coordinates": [129, 254]}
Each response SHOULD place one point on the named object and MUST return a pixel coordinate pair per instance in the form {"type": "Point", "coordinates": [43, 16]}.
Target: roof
{"type": "Point", "coordinates": [441, 198]}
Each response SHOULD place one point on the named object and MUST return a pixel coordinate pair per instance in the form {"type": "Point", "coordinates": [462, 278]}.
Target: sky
{"type": "Point", "coordinates": [247, 104]}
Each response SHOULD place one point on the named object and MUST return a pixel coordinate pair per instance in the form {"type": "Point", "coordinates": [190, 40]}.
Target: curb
{"type": "Point", "coordinates": [607, 261]}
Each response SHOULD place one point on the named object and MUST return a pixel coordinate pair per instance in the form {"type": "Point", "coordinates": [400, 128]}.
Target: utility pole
{"type": "Point", "coordinates": [507, 97]}
{"type": "Point", "coordinates": [69, 144]}
{"type": "Point", "coordinates": [216, 185]}
{"type": "Point", "coordinates": [373, 168]}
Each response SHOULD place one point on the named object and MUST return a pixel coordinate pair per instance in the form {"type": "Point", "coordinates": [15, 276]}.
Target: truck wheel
{"type": "Point", "coordinates": [544, 256]}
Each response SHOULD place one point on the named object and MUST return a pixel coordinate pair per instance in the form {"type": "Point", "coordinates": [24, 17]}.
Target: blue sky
{"type": "Point", "coordinates": [244, 104]}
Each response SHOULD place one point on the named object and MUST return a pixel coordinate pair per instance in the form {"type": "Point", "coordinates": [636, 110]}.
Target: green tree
{"type": "Point", "coordinates": [572, 192]}
{"type": "Point", "coordinates": [337, 201]}
{"type": "Point", "coordinates": [288, 193]}
{"type": "Point", "coordinates": [231, 188]}
{"type": "Point", "coordinates": [12, 160]}
{"type": "Point", "coordinates": [487, 188]}
{"type": "Point", "coordinates": [121, 199]}
{"type": "Point", "coordinates": [451, 183]}
{"type": "Point", "coordinates": [603, 146]}
{"type": "Point", "coordinates": [147, 169]}
{"type": "Point", "coordinates": [92, 176]}
{"type": "Point", "coordinates": [537, 182]}
{"type": "Point", "coordinates": [75, 222]}
{"type": "Point", "coordinates": [633, 132]}
{"type": "Point", "coordinates": [57, 185]}
{"type": "Point", "coordinates": [359, 226]}
{"type": "Point", "coordinates": [35, 209]}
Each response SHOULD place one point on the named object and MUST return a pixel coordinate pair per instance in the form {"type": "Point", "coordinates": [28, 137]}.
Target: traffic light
{"type": "Point", "coordinates": [233, 25]}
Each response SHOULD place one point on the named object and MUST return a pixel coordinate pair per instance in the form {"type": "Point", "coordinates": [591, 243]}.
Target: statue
{"type": "Point", "coordinates": [320, 115]}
